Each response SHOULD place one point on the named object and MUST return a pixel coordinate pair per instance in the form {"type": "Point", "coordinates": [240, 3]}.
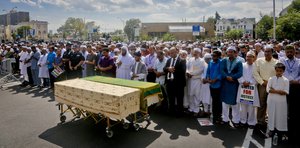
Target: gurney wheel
{"type": "Point", "coordinates": [63, 118]}
{"type": "Point", "coordinates": [147, 118]}
{"type": "Point", "coordinates": [109, 133]}
{"type": "Point", "coordinates": [136, 127]}
{"type": "Point", "coordinates": [125, 126]}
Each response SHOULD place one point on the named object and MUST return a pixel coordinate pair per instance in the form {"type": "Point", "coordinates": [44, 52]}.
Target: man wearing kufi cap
{"type": "Point", "coordinates": [259, 50]}
{"type": "Point", "coordinates": [194, 70]}
{"type": "Point", "coordinates": [23, 65]}
{"type": "Point", "coordinates": [231, 70]}
{"type": "Point", "coordinates": [205, 94]}
{"type": "Point", "coordinates": [248, 107]}
{"type": "Point", "coordinates": [35, 56]}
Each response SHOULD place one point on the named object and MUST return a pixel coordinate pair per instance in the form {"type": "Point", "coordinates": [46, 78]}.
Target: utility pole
{"type": "Point", "coordinates": [274, 21]}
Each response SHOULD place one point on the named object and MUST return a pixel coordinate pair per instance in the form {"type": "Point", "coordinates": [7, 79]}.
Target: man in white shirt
{"type": "Point", "coordinates": [159, 65]}
{"type": "Point", "coordinates": [194, 71]}
{"type": "Point", "coordinates": [150, 61]}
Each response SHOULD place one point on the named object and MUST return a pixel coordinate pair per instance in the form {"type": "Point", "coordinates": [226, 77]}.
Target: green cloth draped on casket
{"type": "Point", "coordinates": [147, 89]}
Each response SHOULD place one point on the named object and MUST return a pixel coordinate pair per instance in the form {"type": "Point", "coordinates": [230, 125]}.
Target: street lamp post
{"type": "Point", "coordinates": [274, 21]}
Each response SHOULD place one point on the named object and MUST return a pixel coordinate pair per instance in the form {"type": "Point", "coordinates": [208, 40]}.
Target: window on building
{"type": "Point", "coordinates": [244, 26]}
{"type": "Point", "coordinates": [233, 27]}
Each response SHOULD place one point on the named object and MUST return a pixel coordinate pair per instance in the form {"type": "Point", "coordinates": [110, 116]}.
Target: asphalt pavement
{"type": "Point", "coordinates": [30, 118]}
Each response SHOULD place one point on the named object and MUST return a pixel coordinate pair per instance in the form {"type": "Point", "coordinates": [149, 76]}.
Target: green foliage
{"type": "Point", "coordinates": [288, 26]}
{"type": "Point", "coordinates": [145, 37]}
{"type": "Point", "coordinates": [234, 34]}
{"type": "Point", "coordinates": [117, 38]}
{"type": "Point", "coordinates": [168, 37]}
{"type": "Point", "coordinates": [263, 26]}
{"type": "Point", "coordinates": [129, 27]}
{"type": "Point", "coordinates": [74, 27]}
{"type": "Point", "coordinates": [295, 6]}
{"type": "Point", "coordinates": [22, 31]}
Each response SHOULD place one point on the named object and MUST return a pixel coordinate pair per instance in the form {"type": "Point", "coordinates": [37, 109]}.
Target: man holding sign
{"type": "Point", "coordinates": [248, 94]}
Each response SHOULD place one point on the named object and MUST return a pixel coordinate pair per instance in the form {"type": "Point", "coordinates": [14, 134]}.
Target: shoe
{"type": "Point", "coordinates": [224, 123]}
{"type": "Point", "coordinates": [251, 126]}
{"type": "Point", "coordinates": [236, 125]}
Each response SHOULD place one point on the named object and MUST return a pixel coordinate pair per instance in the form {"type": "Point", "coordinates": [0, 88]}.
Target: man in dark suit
{"type": "Point", "coordinates": [175, 82]}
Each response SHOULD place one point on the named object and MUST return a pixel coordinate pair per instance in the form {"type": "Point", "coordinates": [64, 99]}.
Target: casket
{"type": "Point", "coordinates": [109, 100]}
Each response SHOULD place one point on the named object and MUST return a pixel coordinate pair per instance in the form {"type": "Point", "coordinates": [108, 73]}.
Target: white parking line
{"type": "Point", "coordinates": [248, 139]}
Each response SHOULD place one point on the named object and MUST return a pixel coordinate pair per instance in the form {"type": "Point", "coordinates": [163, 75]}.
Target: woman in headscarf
{"type": "Point", "coordinates": [124, 63]}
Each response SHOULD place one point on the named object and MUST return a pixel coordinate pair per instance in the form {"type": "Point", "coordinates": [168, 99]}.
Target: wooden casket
{"type": "Point", "coordinates": [109, 100]}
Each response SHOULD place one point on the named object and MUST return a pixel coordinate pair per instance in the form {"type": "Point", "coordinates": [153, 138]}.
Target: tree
{"type": "Point", "coordinates": [234, 34]}
{"type": "Point", "coordinates": [168, 37]}
{"type": "Point", "coordinates": [23, 31]}
{"type": "Point", "coordinates": [263, 26]}
{"type": "Point", "coordinates": [288, 26]}
{"type": "Point", "coordinates": [145, 37]}
{"type": "Point", "coordinates": [117, 38]}
{"type": "Point", "coordinates": [295, 6]}
{"type": "Point", "coordinates": [217, 16]}
{"type": "Point", "coordinates": [131, 24]}
{"type": "Point", "coordinates": [212, 21]}
{"type": "Point", "coordinates": [74, 27]}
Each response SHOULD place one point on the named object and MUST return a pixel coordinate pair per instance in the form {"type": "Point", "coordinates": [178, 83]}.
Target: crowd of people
{"type": "Point", "coordinates": [251, 83]}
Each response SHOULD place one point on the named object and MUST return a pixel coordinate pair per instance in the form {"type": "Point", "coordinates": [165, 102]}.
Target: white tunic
{"type": "Point", "coordinates": [23, 66]}
{"type": "Point", "coordinates": [124, 70]}
{"type": "Point", "coordinates": [43, 70]}
{"type": "Point", "coordinates": [205, 90]}
{"type": "Point", "coordinates": [196, 68]}
{"type": "Point", "coordinates": [248, 77]}
{"type": "Point", "coordinates": [276, 104]}
{"type": "Point", "coordinates": [159, 67]}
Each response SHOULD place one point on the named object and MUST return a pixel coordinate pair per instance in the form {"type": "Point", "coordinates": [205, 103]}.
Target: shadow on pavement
{"type": "Point", "coordinates": [179, 127]}
{"type": "Point", "coordinates": [84, 133]}
{"type": "Point", "coordinates": [35, 91]}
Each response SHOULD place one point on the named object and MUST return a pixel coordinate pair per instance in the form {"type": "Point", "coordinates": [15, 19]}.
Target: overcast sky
{"type": "Point", "coordinates": [110, 14]}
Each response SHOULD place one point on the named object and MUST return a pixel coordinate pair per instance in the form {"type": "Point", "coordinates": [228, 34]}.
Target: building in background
{"type": "Point", "coordinates": [180, 30]}
{"type": "Point", "coordinates": [39, 29]}
{"type": "Point", "coordinates": [14, 18]}
{"type": "Point", "coordinates": [247, 25]}
{"type": "Point", "coordinates": [2, 32]}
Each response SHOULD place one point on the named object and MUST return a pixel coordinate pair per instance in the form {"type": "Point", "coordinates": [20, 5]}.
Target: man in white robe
{"type": "Point", "coordinates": [23, 65]}
{"type": "Point", "coordinates": [124, 63]}
{"type": "Point", "coordinates": [248, 107]}
{"type": "Point", "coordinates": [205, 90]}
{"type": "Point", "coordinates": [43, 68]}
{"type": "Point", "coordinates": [195, 69]}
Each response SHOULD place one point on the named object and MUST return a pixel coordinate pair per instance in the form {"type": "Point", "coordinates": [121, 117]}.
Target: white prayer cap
{"type": "Point", "coordinates": [231, 48]}
{"type": "Point", "coordinates": [207, 46]}
{"type": "Point", "coordinates": [269, 46]}
{"type": "Point", "coordinates": [197, 49]}
{"type": "Point", "coordinates": [131, 45]}
{"type": "Point", "coordinates": [207, 56]}
{"type": "Point", "coordinates": [183, 52]}
{"type": "Point", "coordinates": [166, 48]}
{"type": "Point", "coordinates": [257, 44]}
{"type": "Point", "coordinates": [116, 50]}
{"type": "Point", "coordinates": [8, 47]}
{"type": "Point", "coordinates": [11, 50]}
{"type": "Point", "coordinates": [82, 46]}
{"type": "Point", "coordinates": [25, 47]}
{"type": "Point", "coordinates": [252, 53]}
